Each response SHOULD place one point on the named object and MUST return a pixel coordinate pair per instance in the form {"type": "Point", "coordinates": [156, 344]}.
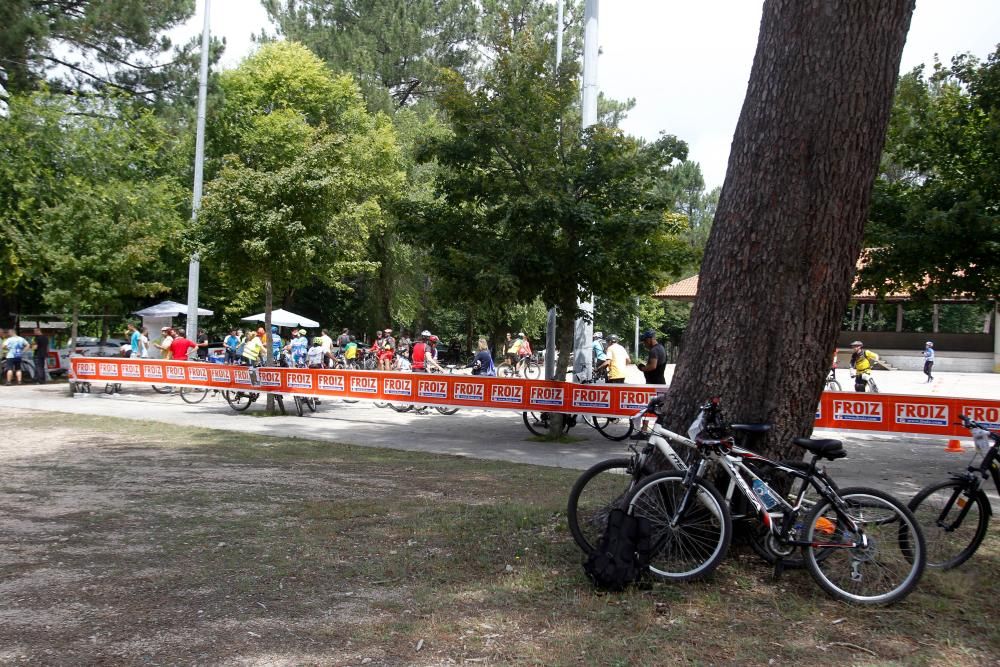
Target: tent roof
{"type": "Point", "coordinates": [283, 318]}
{"type": "Point", "coordinates": [169, 309]}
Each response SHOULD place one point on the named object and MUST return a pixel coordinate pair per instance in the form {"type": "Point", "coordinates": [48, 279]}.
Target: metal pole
{"type": "Point", "coordinates": [550, 327]}
{"type": "Point", "coordinates": [636, 342]}
{"type": "Point", "coordinates": [199, 164]}
{"type": "Point", "coordinates": [584, 329]}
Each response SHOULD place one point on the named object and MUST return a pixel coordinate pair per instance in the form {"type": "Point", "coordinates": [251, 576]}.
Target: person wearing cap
{"type": "Point", "coordinates": [861, 365]}
{"type": "Point", "coordinates": [253, 351]}
{"type": "Point", "coordinates": [928, 360]}
{"type": "Point", "coordinates": [166, 340]}
{"type": "Point", "coordinates": [600, 360]}
{"type": "Point", "coordinates": [297, 348]}
{"type": "Point", "coordinates": [656, 362]}
{"type": "Point", "coordinates": [617, 360]}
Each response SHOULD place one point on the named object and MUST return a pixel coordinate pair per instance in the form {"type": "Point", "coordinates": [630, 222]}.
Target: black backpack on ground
{"type": "Point", "coordinates": [622, 554]}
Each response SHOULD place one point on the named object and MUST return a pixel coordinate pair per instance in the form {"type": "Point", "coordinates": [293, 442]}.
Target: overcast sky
{"type": "Point", "coordinates": [686, 63]}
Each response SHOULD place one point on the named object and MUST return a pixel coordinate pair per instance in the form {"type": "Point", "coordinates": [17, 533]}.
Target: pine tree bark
{"type": "Point", "coordinates": [777, 272]}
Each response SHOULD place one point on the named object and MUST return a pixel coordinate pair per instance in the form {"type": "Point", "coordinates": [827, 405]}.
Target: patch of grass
{"type": "Point", "coordinates": [174, 544]}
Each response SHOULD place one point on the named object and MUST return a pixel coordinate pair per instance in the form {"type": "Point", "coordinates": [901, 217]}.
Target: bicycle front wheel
{"type": "Point", "coordinates": [401, 407]}
{"type": "Point", "coordinates": [193, 394]}
{"type": "Point", "coordinates": [600, 489]}
{"type": "Point", "coordinates": [884, 570]}
{"type": "Point", "coordinates": [833, 385]}
{"type": "Point", "coordinates": [872, 387]}
{"type": "Point", "coordinates": [532, 371]}
{"type": "Point", "coordinates": [687, 542]}
{"type": "Point", "coordinates": [954, 523]}
{"type": "Point", "coordinates": [446, 411]}
{"type": "Point", "coordinates": [161, 389]}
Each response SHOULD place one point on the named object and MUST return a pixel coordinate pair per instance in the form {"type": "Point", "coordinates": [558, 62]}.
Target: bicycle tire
{"type": "Point", "coordinates": [162, 389]}
{"type": "Point", "coordinates": [401, 407]}
{"type": "Point", "coordinates": [380, 404]}
{"type": "Point", "coordinates": [601, 488]}
{"type": "Point", "coordinates": [239, 400]}
{"type": "Point", "coordinates": [948, 547]}
{"type": "Point", "coordinates": [872, 387]}
{"type": "Point", "coordinates": [692, 547]}
{"type": "Point", "coordinates": [532, 371]}
{"type": "Point", "coordinates": [311, 403]}
{"type": "Point", "coordinates": [614, 428]}
{"type": "Point", "coordinates": [298, 405]}
{"type": "Point", "coordinates": [538, 423]}
{"type": "Point", "coordinates": [832, 385]}
{"type": "Point", "coordinates": [193, 394]}
{"type": "Point", "coordinates": [885, 571]}
{"type": "Point", "coordinates": [446, 411]}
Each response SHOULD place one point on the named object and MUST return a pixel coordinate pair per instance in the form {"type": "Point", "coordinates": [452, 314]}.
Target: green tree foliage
{"type": "Point", "coordinates": [86, 200]}
{"type": "Point", "coordinates": [391, 46]}
{"type": "Point", "coordinates": [934, 225]}
{"type": "Point", "coordinates": [531, 209]}
{"type": "Point", "coordinates": [89, 44]}
{"type": "Point", "coordinates": [306, 178]}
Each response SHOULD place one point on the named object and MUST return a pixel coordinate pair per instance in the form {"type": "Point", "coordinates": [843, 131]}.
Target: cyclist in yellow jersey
{"type": "Point", "coordinates": [861, 365]}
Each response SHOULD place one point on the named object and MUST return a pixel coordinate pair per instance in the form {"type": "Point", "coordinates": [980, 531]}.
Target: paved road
{"type": "Point", "coordinates": [900, 464]}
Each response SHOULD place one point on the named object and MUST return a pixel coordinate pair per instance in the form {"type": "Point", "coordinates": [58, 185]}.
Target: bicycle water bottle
{"type": "Point", "coordinates": [764, 494]}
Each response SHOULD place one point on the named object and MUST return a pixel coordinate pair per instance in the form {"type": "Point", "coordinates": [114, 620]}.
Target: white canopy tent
{"type": "Point", "coordinates": [283, 318]}
{"type": "Point", "coordinates": [169, 309]}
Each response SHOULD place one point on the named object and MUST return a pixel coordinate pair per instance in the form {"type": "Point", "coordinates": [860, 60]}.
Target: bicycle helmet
{"type": "Point", "coordinates": [433, 339]}
{"type": "Point", "coordinates": [857, 343]}
{"type": "Point", "coordinates": [318, 340]}
{"type": "Point", "coordinates": [612, 338]}
{"type": "Point", "coordinates": [598, 335]}
{"type": "Point", "coordinates": [520, 335]}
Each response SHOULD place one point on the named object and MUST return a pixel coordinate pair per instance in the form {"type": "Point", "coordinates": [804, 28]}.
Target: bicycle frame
{"type": "Point", "coordinates": [974, 477]}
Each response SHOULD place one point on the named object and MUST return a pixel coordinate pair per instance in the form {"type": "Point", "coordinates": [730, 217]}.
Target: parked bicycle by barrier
{"type": "Point", "coordinates": [955, 514]}
{"type": "Point", "coordinates": [860, 545]}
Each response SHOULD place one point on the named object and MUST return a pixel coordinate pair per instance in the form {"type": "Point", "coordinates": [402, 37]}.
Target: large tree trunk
{"type": "Point", "coordinates": [777, 271]}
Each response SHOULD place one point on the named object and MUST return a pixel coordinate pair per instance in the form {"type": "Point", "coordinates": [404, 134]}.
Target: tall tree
{"type": "Point", "coordinates": [307, 176]}
{"type": "Point", "coordinates": [390, 46]}
{"type": "Point", "coordinates": [936, 204]}
{"type": "Point", "coordinates": [86, 200]}
{"type": "Point", "coordinates": [777, 271]}
{"type": "Point", "coordinates": [88, 44]}
{"type": "Point", "coordinates": [531, 209]}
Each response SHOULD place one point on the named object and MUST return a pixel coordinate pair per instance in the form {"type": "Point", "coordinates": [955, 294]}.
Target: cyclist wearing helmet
{"type": "Point", "coordinates": [618, 361]}
{"type": "Point", "coordinates": [316, 356]}
{"type": "Point", "coordinates": [599, 353]}
{"type": "Point", "coordinates": [430, 356]}
{"type": "Point", "coordinates": [419, 352]}
{"type": "Point", "coordinates": [861, 365]}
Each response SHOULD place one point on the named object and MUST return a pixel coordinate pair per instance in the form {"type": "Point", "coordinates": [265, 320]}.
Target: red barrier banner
{"type": "Point", "coordinates": [460, 391]}
{"type": "Point", "coordinates": [931, 415]}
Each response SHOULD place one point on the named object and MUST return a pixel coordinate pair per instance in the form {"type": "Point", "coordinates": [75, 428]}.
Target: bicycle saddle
{"type": "Point", "coordinates": [751, 428]}
{"type": "Point", "coordinates": [828, 449]}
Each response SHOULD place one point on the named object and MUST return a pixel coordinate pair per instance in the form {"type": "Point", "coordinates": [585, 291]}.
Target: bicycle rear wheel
{"type": "Point", "coordinates": [951, 537]}
{"type": "Point", "coordinates": [832, 385]}
{"type": "Point", "coordinates": [162, 389]}
{"type": "Point", "coordinates": [872, 387]}
{"type": "Point", "coordinates": [401, 407]}
{"type": "Point", "coordinates": [311, 403]}
{"type": "Point", "coordinates": [600, 489]}
{"type": "Point", "coordinates": [446, 411]}
{"type": "Point", "coordinates": [193, 394]}
{"type": "Point", "coordinates": [688, 545]}
{"type": "Point", "coordinates": [532, 371]}
{"type": "Point", "coordinates": [239, 400]}
{"type": "Point", "coordinates": [614, 428]}
{"type": "Point", "coordinates": [882, 572]}
{"type": "Point", "coordinates": [538, 422]}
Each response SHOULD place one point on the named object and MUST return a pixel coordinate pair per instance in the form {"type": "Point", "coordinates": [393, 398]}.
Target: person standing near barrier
{"type": "Point", "coordinates": [166, 340]}
{"type": "Point", "coordinates": [14, 347]}
{"type": "Point", "coordinates": [618, 360]}
{"type": "Point", "coordinates": [133, 341]}
{"type": "Point", "coordinates": [482, 364]}
{"type": "Point", "coordinates": [656, 362]}
{"type": "Point", "coordinates": [181, 347]}
{"type": "Point", "coordinates": [928, 360]}
{"type": "Point", "coordinates": [40, 345]}
{"type": "Point", "coordinates": [861, 365]}
{"type": "Point", "coordinates": [231, 342]}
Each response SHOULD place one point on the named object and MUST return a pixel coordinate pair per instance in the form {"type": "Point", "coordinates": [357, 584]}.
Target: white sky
{"type": "Point", "coordinates": [686, 63]}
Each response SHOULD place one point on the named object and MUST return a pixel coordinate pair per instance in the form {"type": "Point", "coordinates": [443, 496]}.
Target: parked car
{"type": "Point", "coordinates": [89, 346]}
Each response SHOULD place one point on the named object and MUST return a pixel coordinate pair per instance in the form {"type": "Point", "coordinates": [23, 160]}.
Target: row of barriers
{"type": "Point", "coordinates": [837, 410]}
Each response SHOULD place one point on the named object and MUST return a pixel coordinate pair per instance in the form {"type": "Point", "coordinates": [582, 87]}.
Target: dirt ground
{"type": "Point", "coordinates": [131, 543]}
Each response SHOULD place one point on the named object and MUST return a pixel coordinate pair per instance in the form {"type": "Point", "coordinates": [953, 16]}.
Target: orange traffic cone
{"type": "Point", "coordinates": [954, 445]}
